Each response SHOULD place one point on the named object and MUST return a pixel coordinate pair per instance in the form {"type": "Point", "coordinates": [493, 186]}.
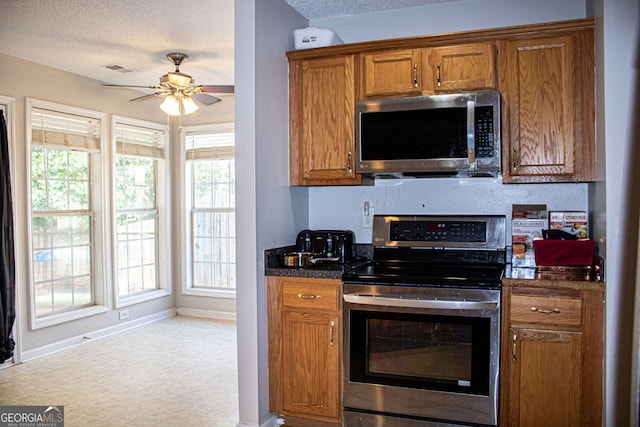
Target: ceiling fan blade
{"type": "Point", "coordinates": [217, 89]}
{"type": "Point", "coordinates": [205, 98]}
{"type": "Point", "coordinates": [150, 95]}
{"type": "Point", "coordinates": [145, 87]}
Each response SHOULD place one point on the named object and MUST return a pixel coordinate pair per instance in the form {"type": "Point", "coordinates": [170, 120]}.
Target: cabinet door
{"type": "Point", "coordinates": [462, 67]}
{"type": "Point", "coordinates": [548, 115]}
{"type": "Point", "coordinates": [311, 365]}
{"type": "Point", "coordinates": [391, 73]}
{"type": "Point", "coordinates": [544, 378]}
{"type": "Point", "coordinates": [322, 121]}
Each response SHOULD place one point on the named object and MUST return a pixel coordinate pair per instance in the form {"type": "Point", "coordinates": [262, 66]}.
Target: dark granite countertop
{"type": "Point", "coordinates": [274, 265]}
{"type": "Point", "coordinates": [364, 252]}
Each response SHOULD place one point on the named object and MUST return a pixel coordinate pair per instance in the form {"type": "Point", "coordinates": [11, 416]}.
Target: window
{"type": "Point", "coordinates": [65, 212]}
{"type": "Point", "coordinates": [210, 216]}
{"type": "Point", "coordinates": [139, 217]}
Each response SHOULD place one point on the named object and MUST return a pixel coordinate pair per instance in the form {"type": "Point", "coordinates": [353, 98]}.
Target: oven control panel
{"type": "Point", "coordinates": [456, 231]}
{"type": "Point", "coordinates": [438, 231]}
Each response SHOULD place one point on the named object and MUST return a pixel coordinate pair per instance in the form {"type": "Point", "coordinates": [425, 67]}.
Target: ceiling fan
{"type": "Point", "coordinates": [180, 90]}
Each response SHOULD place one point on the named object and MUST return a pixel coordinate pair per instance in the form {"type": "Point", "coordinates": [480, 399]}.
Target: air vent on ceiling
{"type": "Point", "coordinates": [119, 68]}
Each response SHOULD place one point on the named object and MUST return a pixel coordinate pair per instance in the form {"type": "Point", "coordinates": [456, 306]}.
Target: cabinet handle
{"type": "Point", "coordinates": [438, 74]}
{"type": "Point", "coordinates": [543, 311]}
{"type": "Point", "coordinates": [415, 75]}
{"type": "Point", "coordinates": [306, 296]}
{"type": "Point", "coordinates": [514, 356]}
{"type": "Point", "coordinates": [349, 162]}
{"type": "Point", "coordinates": [331, 327]}
{"type": "Point", "coordinates": [514, 157]}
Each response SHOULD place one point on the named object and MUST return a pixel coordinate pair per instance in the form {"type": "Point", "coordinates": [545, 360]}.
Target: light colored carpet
{"type": "Point", "coordinates": [180, 371]}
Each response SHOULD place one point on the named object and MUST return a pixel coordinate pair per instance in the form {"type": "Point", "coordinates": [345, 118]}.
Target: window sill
{"type": "Point", "coordinates": [137, 299]}
{"type": "Point", "coordinates": [56, 319]}
{"type": "Point", "coordinates": [210, 293]}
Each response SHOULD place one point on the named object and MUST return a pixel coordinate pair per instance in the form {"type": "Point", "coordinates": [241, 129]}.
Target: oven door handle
{"type": "Point", "coordinates": [412, 302]}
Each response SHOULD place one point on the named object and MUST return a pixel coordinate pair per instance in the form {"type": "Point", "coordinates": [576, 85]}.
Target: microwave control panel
{"type": "Point", "coordinates": [484, 132]}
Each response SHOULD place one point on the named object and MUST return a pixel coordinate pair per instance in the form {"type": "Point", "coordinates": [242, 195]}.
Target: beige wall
{"type": "Point", "coordinates": [22, 79]}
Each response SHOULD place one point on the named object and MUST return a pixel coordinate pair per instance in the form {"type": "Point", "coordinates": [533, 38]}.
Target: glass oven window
{"type": "Point", "coordinates": [447, 353]}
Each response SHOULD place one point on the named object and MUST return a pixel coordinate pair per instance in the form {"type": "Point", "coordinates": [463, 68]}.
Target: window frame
{"type": "Point", "coordinates": [163, 231]}
{"type": "Point", "coordinates": [98, 193]}
{"type": "Point", "coordinates": [186, 237]}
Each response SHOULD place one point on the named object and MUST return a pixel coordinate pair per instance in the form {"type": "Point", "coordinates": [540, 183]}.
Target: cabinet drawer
{"type": "Point", "coordinates": [325, 296]}
{"type": "Point", "coordinates": [548, 310]}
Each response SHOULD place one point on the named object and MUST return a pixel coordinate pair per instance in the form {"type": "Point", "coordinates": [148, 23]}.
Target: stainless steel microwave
{"type": "Point", "coordinates": [451, 134]}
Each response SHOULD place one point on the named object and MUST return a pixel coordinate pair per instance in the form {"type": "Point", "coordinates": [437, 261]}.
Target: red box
{"type": "Point", "coordinates": [564, 252]}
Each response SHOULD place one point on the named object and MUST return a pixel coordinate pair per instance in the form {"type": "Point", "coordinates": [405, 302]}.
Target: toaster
{"type": "Point", "coordinates": [328, 245]}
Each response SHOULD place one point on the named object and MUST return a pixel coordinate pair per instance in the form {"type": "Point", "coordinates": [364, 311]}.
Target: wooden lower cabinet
{"type": "Point", "coordinates": [552, 354]}
{"type": "Point", "coordinates": [305, 365]}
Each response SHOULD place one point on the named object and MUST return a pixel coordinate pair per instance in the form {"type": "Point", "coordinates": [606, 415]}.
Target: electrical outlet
{"type": "Point", "coordinates": [123, 314]}
{"type": "Point", "coordinates": [367, 217]}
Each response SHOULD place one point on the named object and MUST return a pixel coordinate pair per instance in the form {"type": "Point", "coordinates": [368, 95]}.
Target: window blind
{"type": "Point", "coordinates": [139, 141]}
{"type": "Point", "coordinates": [210, 145]}
{"type": "Point", "coordinates": [62, 130]}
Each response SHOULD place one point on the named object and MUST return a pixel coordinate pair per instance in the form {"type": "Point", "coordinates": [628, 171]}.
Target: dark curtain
{"type": "Point", "coordinates": [7, 265]}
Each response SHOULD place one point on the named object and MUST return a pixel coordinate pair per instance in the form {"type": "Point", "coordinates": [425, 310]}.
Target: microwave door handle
{"type": "Point", "coordinates": [471, 130]}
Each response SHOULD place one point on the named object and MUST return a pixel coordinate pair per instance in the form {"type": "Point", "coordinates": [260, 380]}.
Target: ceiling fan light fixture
{"type": "Point", "coordinates": [178, 89]}
{"type": "Point", "coordinates": [179, 80]}
{"type": "Point", "coordinates": [189, 105]}
{"type": "Point", "coordinates": [171, 105]}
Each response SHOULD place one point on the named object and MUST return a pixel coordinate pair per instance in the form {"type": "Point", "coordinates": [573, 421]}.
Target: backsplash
{"type": "Point", "coordinates": [341, 207]}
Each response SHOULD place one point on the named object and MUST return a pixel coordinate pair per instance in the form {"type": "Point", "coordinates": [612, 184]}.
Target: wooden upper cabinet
{"type": "Point", "coordinates": [395, 72]}
{"type": "Point", "coordinates": [460, 68]}
{"type": "Point", "coordinates": [544, 72]}
{"type": "Point", "coordinates": [322, 133]}
{"type": "Point", "coordinates": [548, 111]}
{"type": "Point", "coordinates": [406, 72]}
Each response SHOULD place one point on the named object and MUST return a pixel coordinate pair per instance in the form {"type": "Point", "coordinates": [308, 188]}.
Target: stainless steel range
{"type": "Point", "coordinates": [422, 323]}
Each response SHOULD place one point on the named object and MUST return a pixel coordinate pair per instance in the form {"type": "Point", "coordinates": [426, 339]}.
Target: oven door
{"type": "Point", "coordinates": [421, 352]}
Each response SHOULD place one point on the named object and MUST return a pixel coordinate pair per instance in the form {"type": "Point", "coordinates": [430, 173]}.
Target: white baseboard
{"type": "Point", "coordinates": [208, 314]}
{"type": "Point", "coordinates": [90, 336]}
{"type": "Point", "coordinates": [272, 421]}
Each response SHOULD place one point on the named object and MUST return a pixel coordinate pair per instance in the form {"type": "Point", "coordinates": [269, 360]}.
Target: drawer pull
{"type": "Point", "coordinates": [415, 75]}
{"type": "Point", "coordinates": [331, 326]}
{"type": "Point", "coordinates": [543, 311]}
{"type": "Point", "coordinates": [306, 296]}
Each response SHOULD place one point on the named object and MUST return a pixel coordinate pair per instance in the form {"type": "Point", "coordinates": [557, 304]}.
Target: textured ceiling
{"type": "Point", "coordinates": [84, 36]}
{"type": "Point", "coordinates": [314, 9]}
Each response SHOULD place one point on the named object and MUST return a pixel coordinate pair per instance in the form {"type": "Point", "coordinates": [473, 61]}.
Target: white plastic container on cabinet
{"type": "Point", "coordinates": [310, 37]}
